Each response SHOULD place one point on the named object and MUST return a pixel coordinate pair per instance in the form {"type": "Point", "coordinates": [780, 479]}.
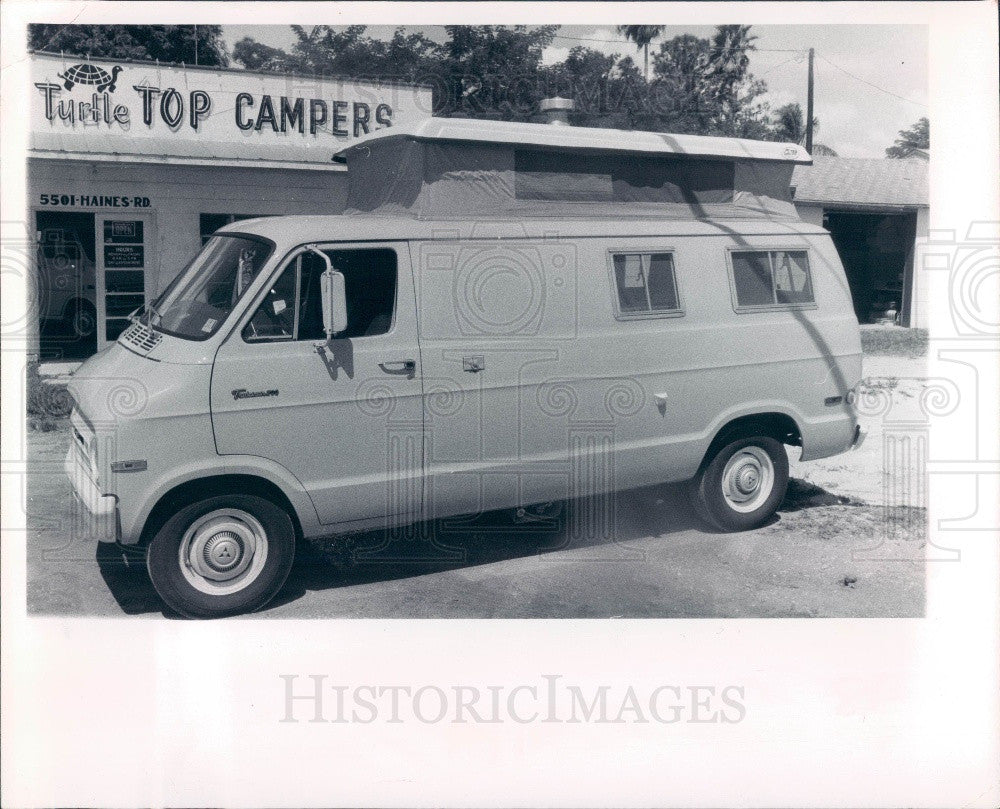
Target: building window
{"type": "Point", "coordinates": [369, 284]}
{"type": "Point", "coordinates": [211, 222]}
{"type": "Point", "coordinates": [646, 284]}
{"type": "Point", "coordinates": [765, 278]}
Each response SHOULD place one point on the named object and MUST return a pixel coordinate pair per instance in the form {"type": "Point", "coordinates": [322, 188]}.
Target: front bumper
{"type": "Point", "coordinates": [100, 511]}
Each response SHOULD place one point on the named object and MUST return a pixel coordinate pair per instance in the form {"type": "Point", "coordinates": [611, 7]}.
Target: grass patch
{"type": "Point", "coordinates": [894, 341]}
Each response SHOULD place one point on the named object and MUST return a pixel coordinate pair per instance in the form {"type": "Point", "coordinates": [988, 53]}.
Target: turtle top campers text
{"type": "Point", "coordinates": [250, 113]}
{"type": "Point", "coordinates": [89, 95]}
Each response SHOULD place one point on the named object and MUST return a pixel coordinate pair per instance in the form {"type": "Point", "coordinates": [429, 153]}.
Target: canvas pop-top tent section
{"type": "Point", "coordinates": [449, 167]}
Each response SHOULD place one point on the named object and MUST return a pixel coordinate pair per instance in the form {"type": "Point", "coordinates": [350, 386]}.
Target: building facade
{"type": "Point", "coordinates": [132, 165]}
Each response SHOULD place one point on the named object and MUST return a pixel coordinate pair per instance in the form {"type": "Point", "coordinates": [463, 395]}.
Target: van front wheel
{"type": "Point", "coordinates": [222, 556]}
{"type": "Point", "coordinates": [742, 486]}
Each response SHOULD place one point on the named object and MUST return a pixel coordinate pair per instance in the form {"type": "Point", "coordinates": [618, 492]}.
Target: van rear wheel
{"type": "Point", "coordinates": [222, 556]}
{"type": "Point", "coordinates": [742, 486]}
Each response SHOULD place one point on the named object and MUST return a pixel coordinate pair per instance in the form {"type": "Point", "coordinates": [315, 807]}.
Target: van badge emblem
{"type": "Point", "coordinates": [243, 393]}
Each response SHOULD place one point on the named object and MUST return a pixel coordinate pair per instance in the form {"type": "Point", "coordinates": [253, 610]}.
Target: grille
{"type": "Point", "coordinates": [140, 337]}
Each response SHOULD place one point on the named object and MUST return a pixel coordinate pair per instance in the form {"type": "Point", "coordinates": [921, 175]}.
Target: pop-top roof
{"type": "Point", "coordinates": [550, 136]}
{"type": "Point", "coordinates": [442, 168]}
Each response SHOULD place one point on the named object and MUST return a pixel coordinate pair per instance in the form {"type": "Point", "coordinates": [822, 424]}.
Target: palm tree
{"type": "Point", "coordinates": [730, 46]}
{"type": "Point", "coordinates": [642, 35]}
{"type": "Point", "coordinates": [790, 125]}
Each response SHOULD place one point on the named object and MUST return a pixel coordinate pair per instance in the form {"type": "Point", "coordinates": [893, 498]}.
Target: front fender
{"type": "Point", "coordinates": [133, 520]}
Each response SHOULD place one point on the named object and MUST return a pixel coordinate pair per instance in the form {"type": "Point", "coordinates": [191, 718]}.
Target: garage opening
{"type": "Point", "coordinates": [877, 252]}
{"type": "Point", "coordinates": [67, 285]}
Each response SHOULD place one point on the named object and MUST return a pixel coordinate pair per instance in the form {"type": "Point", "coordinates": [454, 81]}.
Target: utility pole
{"type": "Point", "coordinates": [809, 105]}
{"type": "Point", "coordinates": [196, 48]}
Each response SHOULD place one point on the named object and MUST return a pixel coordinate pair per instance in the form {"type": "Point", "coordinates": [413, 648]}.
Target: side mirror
{"type": "Point", "coordinates": [332, 295]}
{"type": "Point", "coordinates": [334, 302]}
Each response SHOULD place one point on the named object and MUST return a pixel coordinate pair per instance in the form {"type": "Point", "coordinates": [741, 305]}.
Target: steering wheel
{"type": "Point", "coordinates": [267, 308]}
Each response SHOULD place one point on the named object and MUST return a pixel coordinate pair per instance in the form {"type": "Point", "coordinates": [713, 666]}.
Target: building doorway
{"type": "Point", "coordinates": [877, 252]}
{"type": "Point", "coordinates": [67, 284]}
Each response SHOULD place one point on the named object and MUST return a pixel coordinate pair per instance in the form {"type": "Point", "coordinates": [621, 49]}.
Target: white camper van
{"type": "Point", "coordinates": [508, 314]}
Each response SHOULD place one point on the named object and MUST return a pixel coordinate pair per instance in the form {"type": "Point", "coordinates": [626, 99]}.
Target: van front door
{"type": "Point", "coordinates": [344, 417]}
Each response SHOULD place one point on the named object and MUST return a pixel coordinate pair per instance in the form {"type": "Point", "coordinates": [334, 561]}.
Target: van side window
{"type": "Point", "coordinates": [646, 283]}
{"type": "Point", "coordinates": [771, 278]}
{"type": "Point", "coordinates": [369, 284]}
{"type": "Point", "coordinates": [275, 317]}
{"type": "Point", "coordinates": [292, 309]}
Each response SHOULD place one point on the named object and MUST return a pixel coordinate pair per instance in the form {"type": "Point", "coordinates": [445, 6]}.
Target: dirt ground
{"type": "Point", "coordinates": [847, 542]}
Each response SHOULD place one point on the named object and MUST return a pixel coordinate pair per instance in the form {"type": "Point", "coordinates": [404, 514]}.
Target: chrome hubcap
{"type": "Point", "coordinates": [748, 479]}
{"type": "Point", "coordinates": [223, 551]}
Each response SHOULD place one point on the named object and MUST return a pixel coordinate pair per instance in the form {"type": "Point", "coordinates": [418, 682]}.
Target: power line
{"type": "Point", "coordinates": [865, 81]}
{"type": "Point", "coordinates": [797, 58]}
{"type": "Point", "coordinates": [624, 41]}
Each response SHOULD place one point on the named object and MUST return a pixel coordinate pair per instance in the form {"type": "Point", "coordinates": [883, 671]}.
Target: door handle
{"type": "Point", "coordinates": [407, 368]}
{"type": "Point", "coordinates": [473, 365]}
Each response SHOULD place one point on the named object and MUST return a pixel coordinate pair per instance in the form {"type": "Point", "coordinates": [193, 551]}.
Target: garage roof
{"type": "Point", "coordinates": [856, 181]}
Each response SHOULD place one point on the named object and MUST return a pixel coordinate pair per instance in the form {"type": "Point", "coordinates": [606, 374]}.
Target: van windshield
{"type": "Point", "coordinates": [200, 298]}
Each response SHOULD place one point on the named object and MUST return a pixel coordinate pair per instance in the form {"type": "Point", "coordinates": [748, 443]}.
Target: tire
{"type": "Point", "coordinates": [81, 320]}
{"type": "Point", "coordinates": [742, 485]}
{"type": "Point", "coordinates": [224, 555]}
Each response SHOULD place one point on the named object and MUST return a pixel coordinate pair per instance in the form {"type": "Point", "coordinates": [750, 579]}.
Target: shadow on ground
{"type": "Point", "coordinates": [606, 528]}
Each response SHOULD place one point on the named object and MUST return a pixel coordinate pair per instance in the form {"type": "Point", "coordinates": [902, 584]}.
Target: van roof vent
{"type": "Point", "coordinates": [555, 110]}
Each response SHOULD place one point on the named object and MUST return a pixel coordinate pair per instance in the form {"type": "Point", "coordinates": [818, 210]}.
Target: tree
{"type": "Point", "coordinates": [916, 137]}
{"type": "Point", "coordinates": [255, 55]}
{"type": "Point", "coordinates": [790, 124]}
{"type": "Point", "coordinates": [493, 71]}
{"type": "Point", "coordinates": [484, 71]}
{"type": "Point", "coordinates": [700, 86]}
{"type": "Point", "coordinates": [704, 85]}
{"type": "Point", "coordinates": [586, 77]}
{"type": "Point", "coordinates": [322, 50]}
{"type": "Point", "coordinates": [642, 35]}
{"type": "Point", "coordinates": [728, 57]}
{"type": "Point", "coordinates": [190, 44]}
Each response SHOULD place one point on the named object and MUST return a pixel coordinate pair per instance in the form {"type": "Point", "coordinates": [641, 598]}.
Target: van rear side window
{"type": "Point", "coordinates": [646, 284]}
{"type": "Point", "coordinates": [767, 278]}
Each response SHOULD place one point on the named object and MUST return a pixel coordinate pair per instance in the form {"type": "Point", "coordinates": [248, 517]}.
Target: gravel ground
{"type": "Point", "coordinates": [847, 542]}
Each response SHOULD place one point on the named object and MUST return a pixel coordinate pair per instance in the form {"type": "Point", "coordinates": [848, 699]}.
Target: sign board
{"type": "Point", "coordinates": [122, 232]}
{"type": "Point", "coordinates": [140, 103]}
{"type": "Point", "coordinates": [123, 256]}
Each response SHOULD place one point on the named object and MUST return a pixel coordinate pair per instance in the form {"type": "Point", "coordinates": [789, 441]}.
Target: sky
{"type": "Point", "coordinates": [871, 80]}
